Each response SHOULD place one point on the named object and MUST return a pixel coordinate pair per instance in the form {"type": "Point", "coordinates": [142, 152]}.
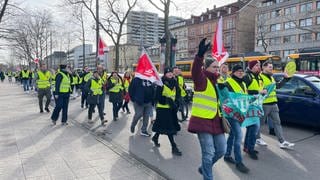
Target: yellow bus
{"type": "Point", "coordinates": [307, 61]}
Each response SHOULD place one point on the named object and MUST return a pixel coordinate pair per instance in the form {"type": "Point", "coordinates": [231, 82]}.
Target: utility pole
{"type": "Point", "coordinates": [97, 31]}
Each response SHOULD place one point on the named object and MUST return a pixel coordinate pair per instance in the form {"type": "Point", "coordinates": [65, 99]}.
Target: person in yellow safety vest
{"type": "Point", "coordinates": [270, 106]}
{"type": "Point", "coordinates": [16, 76]}
{"type": "Point", "coordinates": [43, 81]}
{"type": "Point", "coordinates": [115, 88]}
{"type": "Point", "coordinates": [206, 120]}
{"type": "Point", "coordinates": [84, 77]}
{"type": "Point", "coordinates": [9, 74]}
{"type": "Point", "coordinates": [104, 77]}
{"type": "Point", "coordinates": [94, 87]}
{"type": "Point", "coordinates": [75, 82]}
{"type": "Point", "coordinates": [254, 84]}
{"type": "Point", "coordinates": [223, 71]}
{"type": "Point", "coordinates": [179, 78]}
{"type": "Point", "coordinates": [32, 79]}
{"type": "Point", "coordinates": [25, 73]}
{"type": "Point", "coordinates": [62, 95]}
{"type": "Point", "coordinates": [235, 84]}
{"type": "Point", "coordinates": [166, 117]}
{"type": "Point", "coordinates": [126, 83]}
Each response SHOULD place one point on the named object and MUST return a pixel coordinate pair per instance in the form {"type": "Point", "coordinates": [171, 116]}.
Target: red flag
{"type": "Point", "coordinates": [101, 48]}
{"type": "Point", "coordinates": [36, 60]}
{"type": "Point", "coordinates": [218, 51]}
{"type": "Point", "coordinates": [146, 70]}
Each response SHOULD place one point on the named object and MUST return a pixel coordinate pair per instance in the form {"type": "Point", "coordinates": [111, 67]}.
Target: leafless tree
{"type": "Point", "coordinates": [3, 5]}
{"type": "Point", "coordinates": [113, 20]}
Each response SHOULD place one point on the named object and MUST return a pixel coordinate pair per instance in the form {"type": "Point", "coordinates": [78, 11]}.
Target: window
{"type": "Point", "coordinates": [276, 53]}
{"type": "Point", "coordinates": [318, 36]}
{"type": "Point", "coordinates": [274, 41]}
{"type": "Point", "coordinates": [318, 19]}
{"type": "Point", "coordinates": [318, 5]}
{"type": "Point", "coordinates": [287, 52]}
{"type": "Point", "coordinates": [209, 16]}
{"type": "Point", "coordinates": [305, 22]}
{"type": "Point", "coordinates": [289, 25]}
{"type": "Point", "coordinates": [263, 16]}
{"type": "Point", "coordinates": [201, 30]}
{"type": "Point", "coordinates": [229, 10]}
{"type": "Point", "coordinates": [275, 27]}
{"type": "Point", "coordinates": [209, 28]}
{"type": "Point", "coordinates": [192, 20]}
{"type": "Point", "coordinates": [218, 14]}
{"type": "Point", "coordinates": [275, 13]}
{"type": "Point", "coordinates": [305, 37]}
{"type": "Point", "coordinates": [289, 39]}
{"type": "Point", "coordinates": [229, 23]}
{"type": "Point", "coordinates": [259, 42]}
{"type": "Point", "coordinates": [201, 18]}
{"type": "Point", "coordinates": [228, 39]}
{"type": "Point", "coordinates": [290, 10]}
{"type": "Point", "coordinates": [306, 7]}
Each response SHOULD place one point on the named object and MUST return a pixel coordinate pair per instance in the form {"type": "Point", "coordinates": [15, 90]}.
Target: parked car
{"type": "Point", "coordinates": [299, 99]}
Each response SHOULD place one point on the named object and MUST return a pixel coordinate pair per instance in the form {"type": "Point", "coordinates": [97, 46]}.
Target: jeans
{"type": "Point", "coordinates": [213, 147]}
{"type": "Point", "coordinates": [250, 138]}
{"type": "Point", "coordinates": [61, 103]}
{"type": "Point", "coordinates": [234, 140]}
{"type": "Point", "coordinates": [25, 83]}
{"type": "Point", "coordinates": [84, 96]}
{"type": "Point", "coordinates": [141, 111]}
{"type": "Point", "coordinates": [116, 106]}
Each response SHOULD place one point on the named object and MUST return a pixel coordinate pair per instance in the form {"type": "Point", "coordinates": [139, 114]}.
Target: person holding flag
{"type": "Point", "coordinates": [205, 118]}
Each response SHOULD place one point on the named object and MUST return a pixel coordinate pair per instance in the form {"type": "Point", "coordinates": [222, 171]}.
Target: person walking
{"type": "Point", "coordinates": [94, 87]}
{"type": "Point", "coordinates": [43, 81]}
{"type": "Point", "coordinates": [166, 111]}
{"type": "Point", "coordinates": [25, 73]}
{"type": "Point", "coordinates": [205, 118]}
{"type": "Point", "coordinates": [235, 84]}
{"type": "Point", "coordinates": [115, 87]}
{"type": "Point", "coordinates": [182, 86]}
{"type": "Point", "coordinates": [254, 84]}
{"type": "Point", "coordinates": [126, 83]}
{"type": "Point", "coordinates": [270, 106]}
{"type": "Point", "coordinates": [223, 71]}
{"type": "Point", "coordinates": [85, 76]}
{"type": "Point", "coordinates": [62, 95]}
{"type": "Point", "coordinates": [142, 94]}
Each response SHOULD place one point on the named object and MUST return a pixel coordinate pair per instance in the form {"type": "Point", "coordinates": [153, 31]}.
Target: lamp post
{"type": "Point", "coordinates": [172, 61]}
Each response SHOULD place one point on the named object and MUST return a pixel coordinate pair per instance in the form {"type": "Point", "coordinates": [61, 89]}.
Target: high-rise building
{"type": "Point", "coordinates": [73, 56]}
{"type": "Point", "coordinates": [284, 27]}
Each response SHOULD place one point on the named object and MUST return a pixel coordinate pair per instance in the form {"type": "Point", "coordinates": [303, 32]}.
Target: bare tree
{"type": "Point", "coordinates": [165, 10]}
{"type": "Point", "coordinates": [116, 13]}
{"type": "Point", "coordinates": [3, 4]}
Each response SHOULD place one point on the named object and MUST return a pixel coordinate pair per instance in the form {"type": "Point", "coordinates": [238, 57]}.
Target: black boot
{"type": "Point", "coordinates": [176, 151]}
{"type": "Point", "coordinates": [271, 132]}
{"type": "Point", "coordinates": [242, 168]}
{"type": "Point", "coordinates": [155, 141]}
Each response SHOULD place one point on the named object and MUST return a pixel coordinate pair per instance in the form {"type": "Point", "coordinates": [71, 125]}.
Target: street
{"type": "Point", "coordinates": [31, 148]}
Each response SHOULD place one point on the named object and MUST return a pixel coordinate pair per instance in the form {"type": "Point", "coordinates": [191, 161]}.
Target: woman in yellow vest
{"type": "Point", "coordinates": [205, 118]}
{"type": "Point", "coordinates": [126, 83]}
{"type": "Point", "coordinates": [94, 88]}
{"type": "Point", "coordinates": [115, 88]}
{"type": "Point", "coordinates": [235, 84]}
{"type": "Point", "coordinates": [167, 106]}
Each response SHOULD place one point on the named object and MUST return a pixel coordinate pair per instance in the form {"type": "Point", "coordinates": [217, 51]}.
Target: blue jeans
{"type": "Point", "coordinates": [213, 147]}
{"type": "Point", "coordinates": [250, 138]}
{"type": "Point", "coordinates": [62, 103]}
{"type": "Point", "coordinates": [25, 83]}
{"type": "Point", "coordinates": [234, 140]}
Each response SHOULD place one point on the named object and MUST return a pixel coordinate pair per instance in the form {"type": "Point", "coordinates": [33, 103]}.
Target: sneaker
{"type": "Point", "coordinates": [128, 112]}
{"type": "Point", "coordinates": [47, 109]}
{"type": "Point", "coordinates": [286, 145]}
{"type": "Point", "coordinates": [253, 155]}
{"type": "Point", "coordinates": [200, 170]}
{"type": "Point", "coordinates": [132, 129]}
{"type": "Point", "coordinates": [229, 159]}
{"type": "Point", "coordinates": [41, 111]}
{"type": "Point", "coordinates": [261, 142]}
{"type": "Point", "coordinates": [155, 141]}
{"type": "Point", "coordinates": [81, 105]}
{"type": "Point", "coordinates": [90, 121]}
{"type": "Point", "coordinates": [176, 151]}
{"type": "Point", "coordinates": [54, 122]}
{"type": "Point", "coordinates": [145, 134]}
{"type": "Point", "coordinates": [247, 151]}
{"type": "Point", "coordinates": [242, 168]}
{"type": "Point", "coordinates": [64, 123]}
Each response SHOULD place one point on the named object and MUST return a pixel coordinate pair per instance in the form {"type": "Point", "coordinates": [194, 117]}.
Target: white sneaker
{"type": "Point", "coordinates": [286, 145]}
{"type": "Point", "coordinates": [261, 142]}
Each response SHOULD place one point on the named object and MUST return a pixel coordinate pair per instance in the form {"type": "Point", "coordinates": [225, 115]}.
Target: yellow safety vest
{"type": "Point", "coordinates": [205, 103]}
{"type": "Point", "coordinates": [96, 87]}
{"type": "Point", "coordinates": [104, 77]}
{"type": "Point", "coordinates": [87, 77]}
{"type": "Point", "coordinates": [236, 86]}
{"type": "Point", "coordinates": [25, 74]}
{"type": "Point", "coordinates": [167, 92]}
{"type": "Point", "coordinates": [65, 83]}
{"type": "Point", "coordinates": [126, 85]}
{"type": "Point", "coordinates": [75, 79]}
{"type": "Point", "coordinates": [273, 95]}
{"type": "Point", "coordinates": [255, 85]}
{"type": "Point", "coordinates": [181, 85]}
{"type": "Point", "coordinates": [222, 80]}
{"type": "Point", "coordinates": [44, 79]}
{"type": "Point", "coordinates": [117, 87]}
{"type": "Point", "coordinates": [9, 73]}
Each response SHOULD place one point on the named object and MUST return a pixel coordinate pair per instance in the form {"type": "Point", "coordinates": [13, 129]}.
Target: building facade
{"type": "Point", "coordinates": [54, 60]}
{"type": "Point", "coordinates": [180, 32]}
{"type": "Point", "coordinates": [73, 56]}
{"type": "Point", "coordinates": [128, 55]}
{"type": "Point", "coordinates": [284, 27]}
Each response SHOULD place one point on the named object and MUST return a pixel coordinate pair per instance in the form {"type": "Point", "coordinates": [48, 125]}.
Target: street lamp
{"type": "Point", "coordinates": [172, 50]}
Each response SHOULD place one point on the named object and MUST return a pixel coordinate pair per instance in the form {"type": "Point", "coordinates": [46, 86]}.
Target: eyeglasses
{"type": "Point", "coordinates": [215, 66]}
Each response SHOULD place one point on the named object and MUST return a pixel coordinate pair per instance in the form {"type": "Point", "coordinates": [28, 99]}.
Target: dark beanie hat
{"type": "Point", "coordinates": [208, 61]}
{"type": "Point", "coordinates": [252, 63]}
{"type": "Point", "coordinates": [236, 68]}
{"type": "Point", "coordinates": [63, 66]}
{"type": "Point", "coordinates": [167, 69]}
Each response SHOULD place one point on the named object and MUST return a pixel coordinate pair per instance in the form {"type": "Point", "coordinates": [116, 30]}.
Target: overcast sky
{"type": "Point", "coordinates": [182, 8]}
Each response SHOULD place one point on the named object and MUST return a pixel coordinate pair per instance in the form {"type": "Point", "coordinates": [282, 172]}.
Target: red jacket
{"type": "Point", "coordinates": [196, 124]}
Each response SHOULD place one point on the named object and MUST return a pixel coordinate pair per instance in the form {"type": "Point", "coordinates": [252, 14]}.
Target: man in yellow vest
{"type": "Point", "coordinates": [43, 81]}
{"type": "Point", "coordinates": [270, 106]}
{"type": "Point", "coordinates": [62, 95]}
{"type": "Point", "coordinates": [206, 120]}
{"type": "Point", "coordinates": [104, 76]}
{"type": "Point", "coordinates": [235, 84]}
{"type": "Point", "coordinates": [25, 73]}
{"type": "Point", "coordinates": [179, 78]}
{"type": "Point", "coordinates": [84, 77]}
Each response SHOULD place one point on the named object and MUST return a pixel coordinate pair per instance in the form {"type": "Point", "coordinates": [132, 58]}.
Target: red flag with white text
{"type": "Point", "coordinates": [218, 51]}
{"type": "Point", "coordinates": [146, 70]}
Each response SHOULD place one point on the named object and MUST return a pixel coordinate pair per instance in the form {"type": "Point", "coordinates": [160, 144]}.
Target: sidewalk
{"type": "Point", "coordinates": [31, 148]}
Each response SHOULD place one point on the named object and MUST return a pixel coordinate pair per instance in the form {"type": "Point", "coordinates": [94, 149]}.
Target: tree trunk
{"type": "Point", "coordinates": [116, 67]}
{"type": "Point", "coordinates": [167, 34]}
{"type": "Point", "coordinates": [3, 9]}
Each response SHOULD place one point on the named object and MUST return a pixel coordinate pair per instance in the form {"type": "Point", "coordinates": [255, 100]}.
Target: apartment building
{"type": "Point", "coordinates": [286, 26]}
{"type": "Point", "coordinates": [180, 32]}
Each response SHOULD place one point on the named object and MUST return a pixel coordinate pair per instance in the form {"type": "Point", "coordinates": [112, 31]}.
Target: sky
{"type": "Point", "coordinates": [181, 8]}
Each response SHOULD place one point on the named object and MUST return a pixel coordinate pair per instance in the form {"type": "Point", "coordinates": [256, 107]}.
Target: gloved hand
{"type": "Point", "coordinates": [203, 47]}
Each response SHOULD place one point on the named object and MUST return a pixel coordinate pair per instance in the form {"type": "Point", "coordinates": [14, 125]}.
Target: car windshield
{"type": "Point", "coordinates": [314, 80]}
